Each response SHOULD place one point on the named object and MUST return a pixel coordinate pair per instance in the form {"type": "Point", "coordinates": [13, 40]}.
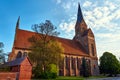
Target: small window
{"type": "Point", "coordinates": [25, 54]}
{"type": "Point", "coordinates": [19, 55]}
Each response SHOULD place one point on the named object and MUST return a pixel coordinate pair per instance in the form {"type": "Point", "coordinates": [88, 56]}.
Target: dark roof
{"type": "Point", "coordinates": [70, 46]}
{"type": "Point", "coordinates": [79, 14]}
{"type": "Point", "coordinates": [17, 61]}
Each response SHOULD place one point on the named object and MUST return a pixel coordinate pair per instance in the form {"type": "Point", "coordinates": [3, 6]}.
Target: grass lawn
{"type": "Point", "coordinates": [91, 77]}
{"type": "Point", "coordinates": [69, 78]}
{"type": "Point", "coordinates": [77, 78]}
{"type": "Point", "coordinates": [73, 78]}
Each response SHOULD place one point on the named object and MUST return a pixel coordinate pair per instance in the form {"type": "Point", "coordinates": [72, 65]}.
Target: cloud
{"type": "Point", "coordinates": [87, 4]}
{"type": "Point", "coordinates": [66, 6]}
{"type": "Point", "coordinates": [102, 17]}
{"type": "Point", "coordinates": [67, 26]}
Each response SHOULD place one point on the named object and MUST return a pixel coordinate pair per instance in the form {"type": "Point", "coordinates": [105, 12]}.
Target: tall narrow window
{"type": "Point", "coordinates": [78, 63]}
{"type": "Point", "coordinates": [25, 54]}
{"type": "Point", "coordinates": [73, 62]}
{"type": "Point", "coordinates": [19, 55]}
{"type": "Point", "coordinates": [92, 49]}
{"type": "Point", "coordinates": [67, 62]}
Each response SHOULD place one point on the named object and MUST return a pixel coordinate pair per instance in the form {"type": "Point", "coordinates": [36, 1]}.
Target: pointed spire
{"type": "Point", "coordinates": [17, 24]}
{"type": "Point", "coordinates": [79, 15]}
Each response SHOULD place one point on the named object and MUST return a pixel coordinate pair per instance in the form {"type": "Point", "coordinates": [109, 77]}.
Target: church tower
{"type": "Point", "coordinates": [84, 35]}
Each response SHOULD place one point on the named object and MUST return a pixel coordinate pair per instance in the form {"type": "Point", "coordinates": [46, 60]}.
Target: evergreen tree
{"type": "Point", "coordinates": [85, 67]}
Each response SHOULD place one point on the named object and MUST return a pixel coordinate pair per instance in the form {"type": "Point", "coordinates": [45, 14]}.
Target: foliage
{"type": "Point", "coordinates": [45, 49]}
{"type": "Point", "coordinates": [48, 74]}
{"type": "Point", "coordinates": [109, 64]}
{"type": "Point", "coordinates": [2, 57]}
{"type": "Point", "coordinates": [1, 46]}
{"type": "Point", "coordinates": [85, 67]}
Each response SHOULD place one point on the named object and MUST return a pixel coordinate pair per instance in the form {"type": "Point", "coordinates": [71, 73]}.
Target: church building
{"type": "Point", "coordinates": [81, 46]}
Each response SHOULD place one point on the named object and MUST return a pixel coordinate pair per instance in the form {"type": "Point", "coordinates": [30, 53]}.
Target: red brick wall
{"type": "Point", "coordinates": [8, 75]}
{"type": "Point", "coordinates": [25, 70]}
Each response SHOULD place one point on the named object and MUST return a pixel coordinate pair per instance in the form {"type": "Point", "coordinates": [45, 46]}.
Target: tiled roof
{"type": "Point", "coordinates": [16, 62]}
{"type": "Point", "coordinates": [70, 46]}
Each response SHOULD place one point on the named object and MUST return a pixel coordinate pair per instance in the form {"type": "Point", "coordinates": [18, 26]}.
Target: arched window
{"type": "Point", "coordinates": [73, 62]}
{"type": "Point", "coordinates": [78, 63]}
{"type": "Point", "coordinates": [19, 55]}
{"type": "Point", "coordinates": [92, 49]}
{"type": "Point", "coordinates": [25, 54]}
{"type": "Point", "coordinates": [67, 62]}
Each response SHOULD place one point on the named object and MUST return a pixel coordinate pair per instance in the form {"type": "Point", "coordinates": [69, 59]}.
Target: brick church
{"type": "Point", "coordinates": [81, 46]}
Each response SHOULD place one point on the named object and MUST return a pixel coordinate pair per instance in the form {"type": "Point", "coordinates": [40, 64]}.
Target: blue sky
{"type": "Point", "coordinates": [103, 16]}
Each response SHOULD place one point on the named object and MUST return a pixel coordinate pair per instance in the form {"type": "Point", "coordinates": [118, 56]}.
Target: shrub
{"type": "Point", "coordinates": [50, 73]}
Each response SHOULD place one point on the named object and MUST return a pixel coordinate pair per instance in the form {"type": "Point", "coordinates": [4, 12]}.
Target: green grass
{"type": "Point", "coordinates": [77, 78]}
{"type": "Point", "coordinates": [91, 77]}
{"type": "Point", "coordinates": [73, 78]}
{"type": "Point", "coordinates": [69, 78]}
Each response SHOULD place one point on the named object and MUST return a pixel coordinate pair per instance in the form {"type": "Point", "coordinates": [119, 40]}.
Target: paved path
{"type": "Point", "coordinates": [110, 78]}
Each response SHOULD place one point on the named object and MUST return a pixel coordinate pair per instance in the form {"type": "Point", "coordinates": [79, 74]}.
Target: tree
{"type": "Point", "coordinates": [85, 68]}
{"type": "Point", "coordinates": [109, 64]}
{"type": "Point", "coordinates": [2, 57]}
{"type": "Point", "coordinates": [45, 50]}
{"type": "Point", "coordinates": [1, 47]}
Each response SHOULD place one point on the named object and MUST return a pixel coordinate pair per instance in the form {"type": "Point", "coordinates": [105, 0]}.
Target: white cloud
{"type": "Point", "coordinates": [68, 27]}
{"type": "Point", "coordinates": [87, 4]}
{"type": "Point", "coordinates": [103, 19]}
{"type": "Point", "coordinates": [102, 16]}
{"type": "Point", "coordinates": [66, 6]}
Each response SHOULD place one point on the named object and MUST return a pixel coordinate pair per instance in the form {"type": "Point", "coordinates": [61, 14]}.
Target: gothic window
{"type": "Point", "coordinates": [25, 54]}
{"type": "Point", "coordinates": [78, 63]}
{"type": "Point", "coordinates": [67, 62]}
{"type": "Point", "coordinates": [92, 49]}
{"type": "Point", "coordinates": [19, 55]}
{"type": "Point", "coordinates": [73, 63]}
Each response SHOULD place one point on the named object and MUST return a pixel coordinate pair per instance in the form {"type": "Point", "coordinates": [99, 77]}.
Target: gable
{"type": "Point", "coordinates": [26, 62]}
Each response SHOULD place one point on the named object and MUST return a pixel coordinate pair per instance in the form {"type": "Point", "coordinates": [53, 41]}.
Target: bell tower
{"type": "Point", "coordinates": [84, 35]}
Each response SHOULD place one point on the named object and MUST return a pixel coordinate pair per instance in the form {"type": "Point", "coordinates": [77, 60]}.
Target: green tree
{"type": "Point", "coordinates": [2, 57]}
{"type": "Point", "coordinates": [85, 68]}
{"type": "Point", "coordinates": [109, 64]}
{"type": "Point", "coordinates": [45, 49]}
{"type": "Point", "coordinates": [1, 47]}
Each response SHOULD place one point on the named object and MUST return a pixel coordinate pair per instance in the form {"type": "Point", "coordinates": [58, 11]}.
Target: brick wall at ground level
{"type": "Point", "coordinates": [8, 75]}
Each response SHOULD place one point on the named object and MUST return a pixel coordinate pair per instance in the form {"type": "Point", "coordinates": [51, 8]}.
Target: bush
{"type": "Point", "coordinates": [50, 73]}
{"type": "Point", "coordinates": [45, 75]}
